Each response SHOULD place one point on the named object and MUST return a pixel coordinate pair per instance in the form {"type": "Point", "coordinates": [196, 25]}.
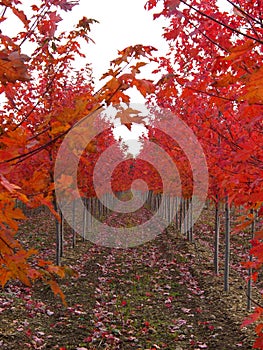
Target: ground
{"type": "Point", "coordinates": [161, 295]}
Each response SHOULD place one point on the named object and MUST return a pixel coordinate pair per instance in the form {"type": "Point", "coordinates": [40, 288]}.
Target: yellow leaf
{"type": "Point", "coordinates": [58, 128]}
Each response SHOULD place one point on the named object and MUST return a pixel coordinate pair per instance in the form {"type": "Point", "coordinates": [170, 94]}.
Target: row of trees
{"type": "Point", "coordinates": [213, 81]}
{"type": "Point", "coordinates": [211, 78]}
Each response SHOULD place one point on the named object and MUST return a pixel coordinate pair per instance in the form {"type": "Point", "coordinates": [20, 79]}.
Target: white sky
{"type": "Point", "coordinates": [122, 23]}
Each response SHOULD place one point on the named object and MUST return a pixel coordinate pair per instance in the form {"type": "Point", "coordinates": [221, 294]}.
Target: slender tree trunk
{"type": "Point", "coordinates": [249, 285]}
{"type": "Point", "coordinates": [58, 243]}
{"type": "Point", "coordinates": [170, 208]}
{"type": "Point", "coordinates": [73, 224]}
{"type": "Point", "coordinates": [84, 223]}
{"type": "Point", "coordinates": [187, 216]}
{"type": "Point", "coordinates": [61, 232]}
{"type": "Point", "coordinates": [191, 229]}
{"type": "Point", "coordinates": [227, 245]}
{"type": "Point", "coordinates": [100, 209]}
{"type": "Point", "coordinates": [58, 237]}
{"type": "Point", "coordinates": [216, 243]}
{"type": "Point", "coordinates": [176, 213]}
{"type": "Point", "coordinates": [181, 213]}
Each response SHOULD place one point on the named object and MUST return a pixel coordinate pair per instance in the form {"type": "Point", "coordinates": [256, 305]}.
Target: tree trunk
{"type": "Point", "coordinates": [227, 245]}
{"type": "Point", "coordinates": [249, 285]}
{"type": "Point", "coordinates": [216, 244]}
{"type": "Point", "coordinates": [73, 224]}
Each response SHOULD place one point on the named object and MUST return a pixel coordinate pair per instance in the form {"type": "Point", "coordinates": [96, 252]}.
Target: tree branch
{"type": "Point", "coordinates": [221, 23]}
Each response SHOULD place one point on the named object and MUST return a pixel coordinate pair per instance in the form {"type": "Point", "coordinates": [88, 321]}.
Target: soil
{"type": "Point", "coordinates": [161, 295]}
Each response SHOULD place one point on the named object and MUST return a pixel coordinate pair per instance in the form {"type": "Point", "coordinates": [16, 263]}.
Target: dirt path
{"type": "Point", "coordinates": [162, 295]}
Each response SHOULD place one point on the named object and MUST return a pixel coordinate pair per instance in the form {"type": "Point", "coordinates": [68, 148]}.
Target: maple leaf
{"type": "Point", "coordinates": [127, 117]}
{"type": "Point", "coordinates": [12, 67]}
{"type": "Point", "coordinates": [260, 212]}
{"type": "Point", "coordinates": [136, 68]}
{"type": "Point", "coordinates": [5, 276]}
{"type": "Point", "coordinates": [57, 291]}
{"type": "Point", "coordinates": [9, 186]}
{"type": "Point", "coordinates": [92, 147]}
{"type": "Point", "coordinates": [86, 22]}
{"type": "Point", "coordinates": [253, 317]}
{"type": "Point", "coordinates": [65, 181]}
{"type": "Point", "coordinates": [65, 4]}
{"type": "Point", "coordinates": [51, 208]}
{"type": "Point", "coordinates": [57, 127]}
{"type": "Point", "coordinates": [21, 15]}
{"type": "Point", "coordinates": [172, 6]}
{"type": "Point", "coordinates": [10, 215]}
{"type": "Point", "coordinates": [150, 4]}
{"type": "Point", "coordinates": [58, 270]}
{"type": "Point", "coordinates": [224, 80]}
{"type": "Point", "coordinates": [238, 51]}
{"type": "Point", "coordinates": [145, 86]}
{"type": "Point", "coordinates": [253, 89]}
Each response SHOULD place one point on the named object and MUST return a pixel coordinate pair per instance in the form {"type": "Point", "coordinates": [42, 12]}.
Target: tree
{"type": "Point", "coordinates": [45, 96]}
{"type": "Point", "coordinates": [213, 80]}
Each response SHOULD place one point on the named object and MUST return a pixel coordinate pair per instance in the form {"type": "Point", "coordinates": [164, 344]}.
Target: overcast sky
{"type": "Point", "coordinates": [122, 23]}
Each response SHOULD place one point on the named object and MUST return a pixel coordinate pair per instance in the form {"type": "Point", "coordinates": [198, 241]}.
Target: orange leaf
{"type": "Point", "coordinates": [225, 80]}
{"type": "Point", "coordinates": [58, 128]}
{"type": "Point", "coordinates": [57, 291]}
{"type": "Point", "coordinates": [91, 147]}
{"type": "Point", "coordinates": [259, 234]}
{"type": "Point", "coordinates": [51, 208]}
{"type": "Point", "coordinates": [259, 328]}
{"type": "Point", "coordinates": [240, 50]}
{"type": "Point", "coordinates": [145, 86]}
{"type": "Point", "coordinates": [128, 116]}
{"type": "Point", "coordinates": [56, 270]}
{"type": "Point", "coordinates": [12, 67]}
{"type": "Point", "coordinates": [43, 263]}
{"type": "Point", "coordinates": [5, 277]}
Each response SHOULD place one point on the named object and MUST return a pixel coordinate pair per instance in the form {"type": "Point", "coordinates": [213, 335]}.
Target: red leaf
{"type": "Point", "coordinates": [253, 317]}
{"type": "Point", "coordinates": [21, 16]}
{"type": "Point", "coordinates": [260, 212]}
{"type": "Point", "coordinates": [8, 185]}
